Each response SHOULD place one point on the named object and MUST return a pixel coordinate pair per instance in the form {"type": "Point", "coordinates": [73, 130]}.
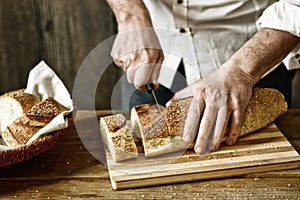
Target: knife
{"type": "Point", "coordinates": [150, 90]}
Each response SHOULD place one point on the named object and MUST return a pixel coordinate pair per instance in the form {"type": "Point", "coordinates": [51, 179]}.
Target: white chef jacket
{"type": "Point", "coordinates": [204, 34]}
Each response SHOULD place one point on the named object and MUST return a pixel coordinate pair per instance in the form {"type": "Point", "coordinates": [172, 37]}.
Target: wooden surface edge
{"type": "Point", "coordinates": [145, 181]}
{"type": "Point", "coordinates": [200, 176]}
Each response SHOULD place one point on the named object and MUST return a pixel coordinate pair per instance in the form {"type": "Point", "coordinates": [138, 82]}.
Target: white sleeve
{"type": "Point", "coordinates": [285, 16]}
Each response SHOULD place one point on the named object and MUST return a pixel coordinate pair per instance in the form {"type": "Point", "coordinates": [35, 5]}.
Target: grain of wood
{"type": "Point", "coordinates": [263, 151]}
{"type": "Point", "coordinates": [60, 32]}
{"type": "Point", "coordinates": [18, 43]}
{"type": "Point", "coordinates": [48, 176]}
{"type": "Point", "coordinates": [234, 188]}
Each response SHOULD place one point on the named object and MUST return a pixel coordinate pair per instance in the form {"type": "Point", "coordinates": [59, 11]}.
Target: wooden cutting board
{"type": "Point", "coordinates": [265, 150]}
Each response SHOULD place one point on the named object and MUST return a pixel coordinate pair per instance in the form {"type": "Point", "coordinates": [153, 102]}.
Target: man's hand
{"type": "Point", "coordinates": [136, 48]}
{"type": "Point", "coordinates": [139, 54]}
{"type": "Point", "coordinates": [221, 98]}
{"type": "Point", "coordinates": [219, 101]}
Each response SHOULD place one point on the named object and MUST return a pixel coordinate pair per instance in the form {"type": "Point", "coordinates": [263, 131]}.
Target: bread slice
{"type": "Point", "coordinates": [13, 105]}
{"type": "Point", "coordinates": [118, 137]}
{"type": "Point", "coordinates": [158, 134]}
{"type": "Point", "coordinates": [264, 107]}
{"type": "Point", "coordinates": [24, 127]}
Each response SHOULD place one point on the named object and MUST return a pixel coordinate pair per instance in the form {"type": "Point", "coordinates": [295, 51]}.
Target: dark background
{"type": "Point", "coordinates": [60, 32]}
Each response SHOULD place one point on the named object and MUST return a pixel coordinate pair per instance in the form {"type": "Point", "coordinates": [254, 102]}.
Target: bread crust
{"type": "Point", "coordinates": [25, 100]}
{"type": "Point", "coordinates": [265, 106]}
{"type": "Point", "coordinates": [118, 137]}
{"type": "Point", "coordinates": [13, 104]}
{"type": "Point", "coordinates": [24, 127]}
{"type": "Point", "coordinates": [176, 116]}
{"type": "Point", "coordinates": [160, 132]}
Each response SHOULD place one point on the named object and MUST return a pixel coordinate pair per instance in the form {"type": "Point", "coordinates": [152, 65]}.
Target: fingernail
{"type": "Point", "coordinates": [230, 142]}
{"type": "Point", "coordinates": [198, 150]}
{"type": "Point", "coordinates": [215, 148]}
{"type": "Point", "coordinates": [168, 104]}
{"type": "Point", "coordinates": [187, 138]}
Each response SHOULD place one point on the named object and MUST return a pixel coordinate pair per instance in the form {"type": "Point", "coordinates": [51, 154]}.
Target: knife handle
{"type": "Point", "coordinates": [150, 87]}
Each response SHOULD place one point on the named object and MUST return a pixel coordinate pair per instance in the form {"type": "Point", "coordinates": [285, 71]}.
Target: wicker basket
{"type": "Point", "coordinates": [22, 153]}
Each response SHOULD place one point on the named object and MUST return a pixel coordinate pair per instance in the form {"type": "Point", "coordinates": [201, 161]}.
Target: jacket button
{"type": "Point", "coordinates": [182, 30]}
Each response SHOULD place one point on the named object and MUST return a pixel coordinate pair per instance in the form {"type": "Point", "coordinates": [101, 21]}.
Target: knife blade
{"type": "Point", "coordinates": [150, 90]}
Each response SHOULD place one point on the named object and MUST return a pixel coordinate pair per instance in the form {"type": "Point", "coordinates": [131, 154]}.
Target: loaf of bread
{"type": "Point", "coordinates": [154, 130]}
{"type": "Point", "coordinates": [265, 106]}
{"type": "Point", "coordinates": [163, 133]}
{"type": "Point", "coordinates": [24, 127]}
{"type": "Point", "coordinates": [13, 105]}
{"type": "Point", "coordinates": [118, 137]}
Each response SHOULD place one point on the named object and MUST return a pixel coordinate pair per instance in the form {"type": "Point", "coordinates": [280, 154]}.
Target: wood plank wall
{"type": "Point", "coordinates": [61, 32]}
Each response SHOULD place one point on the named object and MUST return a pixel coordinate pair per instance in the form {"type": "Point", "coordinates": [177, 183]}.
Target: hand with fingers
{"type": "Point", "coordinates": [136, 48]}
{"type": "Point", "coordinates": [219, 101]}
{"type": "Point", "coordinates": [139, 54]}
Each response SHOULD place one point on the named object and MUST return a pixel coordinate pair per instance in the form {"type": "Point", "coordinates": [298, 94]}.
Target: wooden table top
{"type": "Point", "coordinates": [69, 171]}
